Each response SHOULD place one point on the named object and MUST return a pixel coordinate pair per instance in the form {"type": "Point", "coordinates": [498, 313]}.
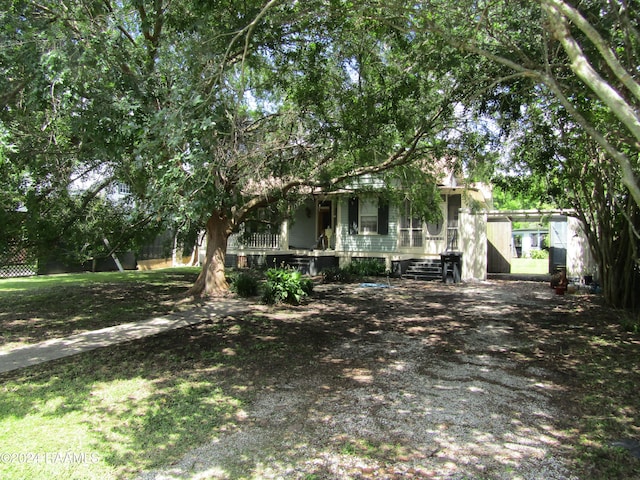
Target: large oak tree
{"type": "Point", "coordinates": [212, 112]}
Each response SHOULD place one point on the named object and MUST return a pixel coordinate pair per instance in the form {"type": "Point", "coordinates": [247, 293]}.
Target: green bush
{"type": "Point", "coordinates": [366, 267]}
{"type": "Point", "coordinates": [539, 254]}
{"type": "Point", "coordinates": [286, 285]}
{"type": "Point", "coordinates": [336, 274]}
{"type": "Point", "coordinates": [245, 285]}
{"type": "Point", "coordinates": [630, 321]}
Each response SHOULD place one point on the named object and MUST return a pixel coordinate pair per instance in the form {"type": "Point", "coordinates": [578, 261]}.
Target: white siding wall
{"type": "Point", "coordinates": [580, 261]}
{"type": "Point", "coordinates": [365, 244]}
{"type": "Point", "coordinates": [473, 245]}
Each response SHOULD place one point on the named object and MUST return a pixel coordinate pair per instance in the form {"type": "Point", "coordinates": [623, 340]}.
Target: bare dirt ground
{"type": "Point", "coordinates": [420, 380]}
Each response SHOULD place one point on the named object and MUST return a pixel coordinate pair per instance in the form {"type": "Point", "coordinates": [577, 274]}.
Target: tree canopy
{"type": "Point", "coordinates": [212, 111]}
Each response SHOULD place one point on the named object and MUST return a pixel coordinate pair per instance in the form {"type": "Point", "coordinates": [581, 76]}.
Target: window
{"type": "Point", "coordinates": [410, 227]}
{"type": "Point", "coordinates": [368, 216]}
{"type": "Point", "coordinates": [123, 188]}
{"type": "Point", "coordinates": [413, 231]}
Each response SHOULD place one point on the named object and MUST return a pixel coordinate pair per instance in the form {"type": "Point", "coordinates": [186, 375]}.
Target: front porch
{"type": "Point", "coordinates": [310, 262]}
{"type": "Point", "coordinates": [321, 234]}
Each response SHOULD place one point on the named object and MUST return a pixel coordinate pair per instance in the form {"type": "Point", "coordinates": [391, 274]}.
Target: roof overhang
{"type": "Point", "coordinates": [530, 215]}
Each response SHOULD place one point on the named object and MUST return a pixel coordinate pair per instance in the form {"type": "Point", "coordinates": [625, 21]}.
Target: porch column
{"type": "Point", "coordinates": [338, 228]}
{"type": "Point", "coordinates": [284, 235]}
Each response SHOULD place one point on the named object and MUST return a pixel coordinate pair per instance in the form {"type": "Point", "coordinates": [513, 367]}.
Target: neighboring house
{"type": "Point", "coordinates": [527, 239]}
{"type": "Point", "coordinates": [337, 228]}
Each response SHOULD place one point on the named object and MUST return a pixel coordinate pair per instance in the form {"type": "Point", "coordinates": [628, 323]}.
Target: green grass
{"type": "Point", "coordinates": [31, 284]}
{"type": "Point", "coordinates": [112, 412]}
{"type": "Point", "coordinates": [108, 414]}
{"type": "Point", "coordinates": [140, 405]}
{"type": "Point", "coordinates": [38, 308]}
{"type": "Point", "coordinates": [529, 266]}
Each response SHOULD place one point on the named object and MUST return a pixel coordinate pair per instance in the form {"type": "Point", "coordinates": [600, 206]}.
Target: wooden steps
{"type": "Point", "coordinates": [424, 269]}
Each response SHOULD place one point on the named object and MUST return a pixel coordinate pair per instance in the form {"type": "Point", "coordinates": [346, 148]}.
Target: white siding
{"type": "Point", "coordinates": [302, 230]}
{"type": "Point", "coordinates": [473, 245]}
{"type": "Point", "coordinates": [580, 261]}
{"type": "Point", "coordinates": [369, 243]}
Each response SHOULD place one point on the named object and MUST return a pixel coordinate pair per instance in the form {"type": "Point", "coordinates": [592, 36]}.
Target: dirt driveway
{"type": "Point", "coordinates": [420, 380]}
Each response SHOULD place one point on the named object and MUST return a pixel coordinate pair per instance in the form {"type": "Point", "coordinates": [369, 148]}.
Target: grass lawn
{"type": "Point", "coordinates": [106, 413]}
{"type": "Point", "coordinates": [38, 308]}
{"type": "Point", "coordinates": [529, 265]}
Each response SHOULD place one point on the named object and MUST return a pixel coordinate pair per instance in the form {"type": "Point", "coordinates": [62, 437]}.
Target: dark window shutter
{"type": "Point", "coordinates": [353, 216]}
{"type": "Point", "coordinates": [383, 217]}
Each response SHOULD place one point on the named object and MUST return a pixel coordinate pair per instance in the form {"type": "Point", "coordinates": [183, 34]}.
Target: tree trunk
{"type": "Point", "coordinates": [212, 280]}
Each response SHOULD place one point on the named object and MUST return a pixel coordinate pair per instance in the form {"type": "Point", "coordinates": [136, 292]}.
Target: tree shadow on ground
{"type": "Point", "coordinates": [33, 316]}
{"type": "Point", "coordinates": [305, 380]}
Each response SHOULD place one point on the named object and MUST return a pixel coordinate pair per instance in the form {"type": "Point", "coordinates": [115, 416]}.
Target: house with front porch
{"type": "Point", "coordinates": [333, 229]}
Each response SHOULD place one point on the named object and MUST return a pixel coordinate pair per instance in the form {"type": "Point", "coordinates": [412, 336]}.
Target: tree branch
{"type": "Point", "coordinates": [592, 34]}
{"type": "Point", "coordinates": [628, 175]}
{"type": "Point", "coordinates": [583, 69]}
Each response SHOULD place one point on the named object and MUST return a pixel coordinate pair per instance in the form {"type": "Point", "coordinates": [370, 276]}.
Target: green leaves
{"type": "Point", "coordinates": [286, 285]}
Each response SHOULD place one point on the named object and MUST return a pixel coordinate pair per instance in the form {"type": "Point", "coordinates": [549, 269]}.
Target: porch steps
{"type": "Point", "coordinates": [300, 263]}
{"type": "Point", "coordinates": [429, 269]}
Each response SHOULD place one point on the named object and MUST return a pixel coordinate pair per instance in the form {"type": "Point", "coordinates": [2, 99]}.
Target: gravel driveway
{"type": "Point", "coordinates": [420, 380]}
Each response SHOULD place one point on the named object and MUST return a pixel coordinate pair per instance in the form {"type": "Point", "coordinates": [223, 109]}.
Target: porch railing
{"type": "Point", "coordinates": [418, 239]}
{"type": "Point", "coordinates": [452, 235]}
{"type": "Point", "coordinates": [254, 241]}
{"type": "Point", "coordinates": [411, 238]}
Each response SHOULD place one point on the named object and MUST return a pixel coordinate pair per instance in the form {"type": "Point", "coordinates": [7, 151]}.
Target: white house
{"type": "Point", "coordinates": [337, 228]}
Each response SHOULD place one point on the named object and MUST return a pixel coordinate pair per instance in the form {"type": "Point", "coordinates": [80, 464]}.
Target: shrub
{"type": "Point", "coordinates": [286, 285]}
{"type": "Point", "coordinates": [336, 274]}
{"type": "Point", "coordinates": [630, 321]}
{"type": "Point", "coordinates": [245, 285]}
{"type": "Point", "coordinates": [539, 254]}
{"type": "Point", "coordinates": [366, 267]}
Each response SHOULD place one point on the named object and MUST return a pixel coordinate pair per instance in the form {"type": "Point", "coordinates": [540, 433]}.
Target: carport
{"type": "Point", "coordinates": [568, 247]}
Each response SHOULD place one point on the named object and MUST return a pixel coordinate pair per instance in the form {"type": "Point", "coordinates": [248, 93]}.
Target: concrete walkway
{"type": "Point", "coordinates": [83, 342]}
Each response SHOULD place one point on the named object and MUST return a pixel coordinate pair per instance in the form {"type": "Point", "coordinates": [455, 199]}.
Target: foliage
{"type": "Point", "coordinates": [522, 192]}
{"type": "Point", "coordinates": [336, 274]}
{"type": "Point", "coordinates": [364, 267]}
{"type": "Point", "coordinates": [630, 321]}
{"type": "Point", "coordinates": [564, 106]}
{"type": "Point", "coordinates": [245, 285]}
{"type": "Point", "coordinates": [552, 149]}
{"type": "Point", "coordinates": [211, 115]}
{"type": "Point", "coordinates": [286, 285]}
{"type": "Point", "coordinates": [539, 254]}
{"type": "Point", "coordinates": [579, 57]}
